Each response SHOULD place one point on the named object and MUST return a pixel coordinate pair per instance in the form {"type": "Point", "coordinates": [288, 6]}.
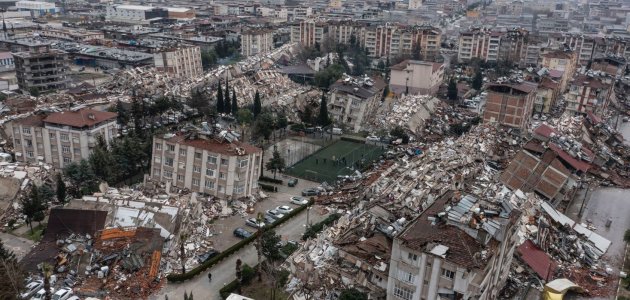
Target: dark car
{"type": "Point", "coordinates": [293, 182]}
{"type": "Point", "coordinates": [242, 233]}
{"type": "Point", "coordinates": [269, 220]}
{"type": "Point", "coordinates": [208, 255]}
{"type": "Point", "coordinates": [310, 192]}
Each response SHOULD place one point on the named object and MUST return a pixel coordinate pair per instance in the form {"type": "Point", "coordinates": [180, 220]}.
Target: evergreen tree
{"type": "Point", "coordinates": [123, 116]}
{"type": "Point", "coordinates": [276, 163]}
{"type": "Point", "coordinates": [220, 99]}
{"type": "Point", "coordinates": [61, 189]}
{"type": "Point", "coordinates": [257, 105]}
{"type": "Point", "coordinates": [234, 103]}
{"type": "Point", "coordinates": [227, 101]}
{"type": "Point", "coordinates": [477, 82]}
{"type": "Point", "coordinates": [451, 93]}
{"type": "Point", "coordinates": [136, 113]}
{"type": "Point", "coordinates": [323, 119]}
{"type": "Point", "coordinates": [33, 206]}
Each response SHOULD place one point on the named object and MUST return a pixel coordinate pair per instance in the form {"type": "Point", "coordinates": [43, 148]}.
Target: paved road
{"type": "Point", "coordinates": [19, 246]}
{"type": "Point", "coordinates": [224, 272]}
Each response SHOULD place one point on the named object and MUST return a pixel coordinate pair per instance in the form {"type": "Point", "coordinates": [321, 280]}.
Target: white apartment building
{"type": "Point", "coordinates": [354, 99]}
{"type": "Point", "coordinates": [206, 164]}
{"type": "Point", "coordinates": [60, 138]}
{"type": "Point", "coordinates": [416, 77]}
{"type": "Point", "coordinates": [36, 8]}
{"type": "Point", "coordinates": [256, 41]}
{"type": "Point", "coordinates": [440, 256]}
{"type": "Point", "coordinates": [182, 62]}
{"type": "Point", "coordinates": [308, 32]}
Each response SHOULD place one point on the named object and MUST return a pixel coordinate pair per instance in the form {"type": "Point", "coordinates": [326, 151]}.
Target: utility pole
{"type": "Point", "coordinates": [588, 186]}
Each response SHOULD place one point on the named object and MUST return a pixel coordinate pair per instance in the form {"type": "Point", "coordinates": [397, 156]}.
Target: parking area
{"type": "Point", "coordinates": [225, 227]}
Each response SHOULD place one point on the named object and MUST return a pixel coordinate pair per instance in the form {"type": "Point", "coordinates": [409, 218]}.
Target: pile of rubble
{"type": "Point", "coordinates": [16, 180]}
{"type": "Point", "coordinates": [410, 112]}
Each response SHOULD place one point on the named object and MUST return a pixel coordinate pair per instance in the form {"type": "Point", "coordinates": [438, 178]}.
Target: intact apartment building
{"type": "Point", "coordinates": [493, 46]}
{"type": "Point", "coordinates": [454, 253]}
{"type": "Point", "coordinates": [589, 92]}
{"type": "Point", "coordinates": [416, 77]}
{"type": "Point", "coordinates": [256, 41]}
{"type": "Point", "coordinates": [564, 61]}
{"type": "Point", "coordinates": [354, 99]}
{"type": "Point", "coordinates": [60, 138]}
{"type": "Point", "coordinates": [182, 62]}
{"type": "Point", "coordinates": [140, 14]}
{"type": "Point", "coordinates": [36, 8]}
{"type": "Point", "coordinates": [39, 67]}
{"type": "Point", "coordinates": [206, 164]}
{"type": "Point", "coordinates": [510, 104]}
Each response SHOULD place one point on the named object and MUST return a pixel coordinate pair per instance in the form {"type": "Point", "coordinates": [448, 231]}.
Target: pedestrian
{"type": "Point", "coordinates": [209, 276]}
{"type": "Point", "coordinates": [324, 161]}
{"type": "Point", "coordinates": [316, 161]}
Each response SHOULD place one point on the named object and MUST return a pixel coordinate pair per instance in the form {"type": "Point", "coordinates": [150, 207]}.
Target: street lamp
{"type": "Point", "coordinates": [308, 210]}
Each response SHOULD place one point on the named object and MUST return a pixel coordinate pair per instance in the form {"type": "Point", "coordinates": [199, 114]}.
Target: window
{"type": "Point", "coordinates": [26, 130]}
{"type": "Point", "coordinates": [406, 276]}
{"type": "Point", "coordinates": [182, 152]}
{"type": "Point", "coordinates": [38, 133]}
{"type": "Point", "coordinates": [412, 256]}
{"type": "Point", "coordinates": [402, 293]}
{"type": "Point", "coordinates": [239, 189]}
{"type": "Point", "coordinates": [170, 147]}
{"type": "Point", "coordinates": [220, 189]}
{"type": "Point", "coordinates": [65, 149]}
{"type": "Point", "coordinates": [210, 185]}
{"type": "Point", "coordinates": [77, 151]}
{"type": "Point", "coordinates": [156, 172]}
{"type": "Point", "coordinates": [180, 177]}
{"type": "Point", "coordinates": [224, 161]}
{"type": "Point", "coordinates": [158, 159]}
{"type": "Point", "coordinates": [242, 163]}
{"type": "Point", "coordinates": [212, 159]}
{"type": "Point", "coordinates": [210, 172]}
{"type": "Point", "coordinates": [17, 141]}
{"type": "Point", "coordinates": [168, 174]}
{"type": "Point", "coordinates": [64, 137]}
{"type": "Point", "coordinates": [197, 155]}
{"type": "Point", "coordinates": [195, 182]}
{"type": "Point", "coordinates": [66, 159]}
{"type": "Point", "coordinates": [182, 164]}
{"type": "Point", "coordinates": [29, 143]}
{"type": "Point", "coordinates": [158, 146]}
{"type": "Point", "coordinates": [29, 153]}
{"type": "Point", "coordinates": [52, 135]}
{"type": "Point", "coordinates": [221, 175]}
{"type": "Point", "coordinates": [448, 274]}
{"type": "Point", "coordinates": [169, 162]}
{"type": "Point", "coordinates": [196, 169]}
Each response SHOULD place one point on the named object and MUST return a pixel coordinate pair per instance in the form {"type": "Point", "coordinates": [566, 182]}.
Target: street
{"type": "Point", "coordinates": [224, 272]}
{"type": "Point", "coordinates": [20, 246]}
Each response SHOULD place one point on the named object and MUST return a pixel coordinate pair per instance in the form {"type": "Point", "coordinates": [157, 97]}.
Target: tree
{"type": "Point", "coordinates": [33, 206]}
{"type": "Point", "coordinates": [381, 66]}
{"type": "Point", "coordinates": [415, 51]}
{"type": "Point", "coordinates": [182, 251]}
{"type": "Point", "coordinates": [136, 113]}
{"type": "Point", "coordinates": [187, 296]}
{"type": "Point", "coordinates": [208, 59]}
{"type": "Point", "coordinates": [386, 91]}
{"type": "Point", "coordinates": [282, 121]}
{"type": "Point", "coordinates": [131, 155]}
{"type": "Point", "coordinates": [34, 92]}
{"type": "Point", "coordinates": [227, 107]}
{"type": "Point", "coordinates": [352, 294]}
{"type": "Point", "coordinates": [269, 244]}
{"type": "Point", "coordinates": [263, 126]}
{"type": "Point", "coordinates": [477, 82]}
{"type": "Point", "coordinates": [199, 102]}
{"type": "Point", "coordinates": [324, 78]}
{"type": "Point", "coordinates": [220, 107]}
{"type": "Point", "coordinates": [239, 274]}
{"type": "Point", "coordinates": [244, 116]}
{"type": "Point", "coordinates": [102, 162]}
{"type": "Point", "coordinates": [307, 115]}
{"type": "Point", "coordinates": [11, 274]}
{"type": "Point", "coordinates": [342, 61]}
{"type": "Point", "coordinates": [234, 103]}
{"type": "Point", "coordinates": [399, 133]}
{"type": "Point", "coordinates": [259, 220]}
{"type": "Point", "coordinates": [257, 105]}
{"type": "Point", "coordinates": [47, 271]}
{"type": "Point", "coordinates": [61, 189]}
{"type": "Point", "coordinates": [276, 163]}
{"type": "Point", "coordinates": [323, 119]}
{"type": "Point", "coordinates": [82, 178]}
{"type": "Point", "coordinates": [451, 92]}
{"type": "Point", "coordinates": [626, 236]}
{"type": "Point", "coordinates": [123, 115]}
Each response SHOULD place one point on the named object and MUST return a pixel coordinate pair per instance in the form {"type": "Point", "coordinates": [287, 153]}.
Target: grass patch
{"type": "Point", "coordinates": [320, 166]}
{"type": "Point", "coordinates": [262, 289]}
{"type": "Point", "coordinates": [36, 234]}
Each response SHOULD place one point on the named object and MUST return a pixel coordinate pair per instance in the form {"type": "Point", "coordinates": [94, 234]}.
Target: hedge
{"type": "Point", "coordinates": [269, 179]}
{"type": "Point", "coordinates": [248, 274]}
{"type": "Point", "coordinates": [268, 188]}
{"type": "Point", "coordinates": [312, 231]}
{"type": "Point", "coordinates": [176, 277]}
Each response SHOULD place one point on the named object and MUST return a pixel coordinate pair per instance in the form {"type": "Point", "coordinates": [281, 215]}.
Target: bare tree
{"type": "Point", "coordinates": [182, 251]}
{"type": "Point", "coordinates": [47, 271]}
{"type": "Point", "coordinates": [259, 219]}
{"type": "Point", "coordinates": [239, 274]}
{"type": "Point", "coordinates": [11, 279]}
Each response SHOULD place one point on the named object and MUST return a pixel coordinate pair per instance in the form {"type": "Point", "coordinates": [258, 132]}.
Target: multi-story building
{"type": "Point", "coordinates": [256, 41]}
{"type": "Point", "coordinates": [452, 250]}
{"type": "Point", "coordinates": [416, 77]}
{"type": "Point", "coordinates": [589, 92]}
{"type": "Point", "coordinates": [548, 92]}
{"type": "Point", "coordinates": [354, 99]}
{"type": "Point", "coordinates": [611, 65]}
{"type": "Point", "coordinates": [493, 46]}
{"type": "Point", "coordinates": [36, 8]}
{"type": "Point", "coordinates": [561, 60]}
{"type": "Point", "coordinates": [183, 62]}
{"type": "Point", "coordinates": [474, 43]}
{"type": "Point", "coordinates": [72, 34]}
{"type": "Point", "coordinates": [206, 163]}
{"type": "Point", "coordinates": [134, 14]}
{"type": "Point", "coordinates": [41, 68]}
{"type": "Point", "coordinates": [308, 32]}
{"type": "Point", "coordinates": [510, 104]}
{"type": "Point", "coordinates": [61, 138]}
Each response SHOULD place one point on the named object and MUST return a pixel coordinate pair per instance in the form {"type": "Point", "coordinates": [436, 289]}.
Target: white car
{"type": "Point", "coordinates": [373, 138]}
{"type": "Point", "coordinates": [284, 209]}
{"type": "Point", "coordinates": [41, 294]}
{"type": "Point", "coordinates": [62, 294]}
{"type": "Point", "coordinates": [32, 288]}
{"type": "Point", "coordinates": [297, 200]}
{"type": "Point", "coordinates": [275, 214]}
{"type": "Point", "coordinates": [74, 298]}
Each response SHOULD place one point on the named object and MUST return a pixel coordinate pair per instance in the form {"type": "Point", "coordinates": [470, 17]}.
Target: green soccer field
{"type": "Point", "coordinates": [327, 163]}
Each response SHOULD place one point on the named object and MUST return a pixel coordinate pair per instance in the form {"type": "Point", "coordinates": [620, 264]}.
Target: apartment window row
{"type": "Point", "coordinates": [412, 256]}
{"type": "Point", "coordinates": [402, 293]}
{"type": "Point", "coordinates": [448, 274]}
{"type": "Point", "coordinates": [406, 276]}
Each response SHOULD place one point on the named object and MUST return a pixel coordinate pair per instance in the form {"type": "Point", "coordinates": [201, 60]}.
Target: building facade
{"type": "Point", "coordinates": [353, 100]}
{"type": "Point", "coordinates": [416, 77]}
{"type": "Point", "coordinates": [134, 14]}
{"type": "Point", "coordinates": [36, 8]}
{"type": "Point", "coordinates": [588, 92]}
{"type": "Point", "coordinates": [41, 68]}
{"type": "Point", "coordinates": [257, 41]}
{"type": "Point", "coordinates": [510, 105]}
{"type": "Point", "coordinates": [61, 138]}
{"type": "Point", "coordinates": [183, 62]}
{"type": "Point", "coordinates": [561, 60]}
{"type": "Point", "coordinates": [206, 164]}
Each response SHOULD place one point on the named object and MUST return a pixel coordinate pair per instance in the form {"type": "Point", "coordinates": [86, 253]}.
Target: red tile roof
{"type": "Point", "coordinates": [593, 117]}
{"type": "Point", "coordinates": [537, 259]}
{"type": "Point", "coordinates": [544, 130]}
{"type": "Point", "coordinates": [82, 118]}
{"type": "Point", "coordinates": [213, 145]}
{"type": "Point", "coordinates": [574, 162]}
{"type": "Point", "coordinates": [34, 120]}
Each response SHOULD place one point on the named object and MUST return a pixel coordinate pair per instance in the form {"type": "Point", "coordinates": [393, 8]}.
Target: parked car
{"type": "Point", "coordinates": [242, 233]}
{"type": "Point", "coordinates": [269, 220]}
{"type": "Point", "coordinates": [32, 288]}
{"type": "Point", "coordinates": [62, 294]}
{"type": "Point", "coordinates": [310, 192]}
{"type": "Point", "coordinates": [373, 138]}
{"type": "Point", "coordinates": [297, 200]}
{"type": "Point", "coordinates": [254, 223]}
{"type": "Point", "coordinates": [74, 298]}
{"type": "Point", "coordinates": [275, 214]}
{"type": "Point", "coordinates": [284, 209]}
{"type": "Point", "coordinates": [41, 294]}
{"type": "Point", "coordinates": [206, 256]}
{"type": "Point", "coordinates": [292, 182]}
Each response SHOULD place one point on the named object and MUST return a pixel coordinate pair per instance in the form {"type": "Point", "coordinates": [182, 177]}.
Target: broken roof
{"type": "Point", "coordinates": [212, 145]}
{"type": "Point", "coordinates": [359, 90]}
{"type": "Point", "coordinates": [78, 221]}
{"type": "Point", "coordinates": [81, 118]}
{"type": "Point", "coordinates": [573, 162]}
{"type": "Point", "coordinates": [537, 259]}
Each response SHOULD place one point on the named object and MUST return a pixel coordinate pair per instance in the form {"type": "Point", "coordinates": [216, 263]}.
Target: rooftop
{"type": "Point", "coordinates": [363, 88]}
{"type": "Point", "coordinates": [403, 65]}
{"type": "Point", "coordinates": [211, 144]}
{"type": "Point", "coordinates": [81, 118]}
